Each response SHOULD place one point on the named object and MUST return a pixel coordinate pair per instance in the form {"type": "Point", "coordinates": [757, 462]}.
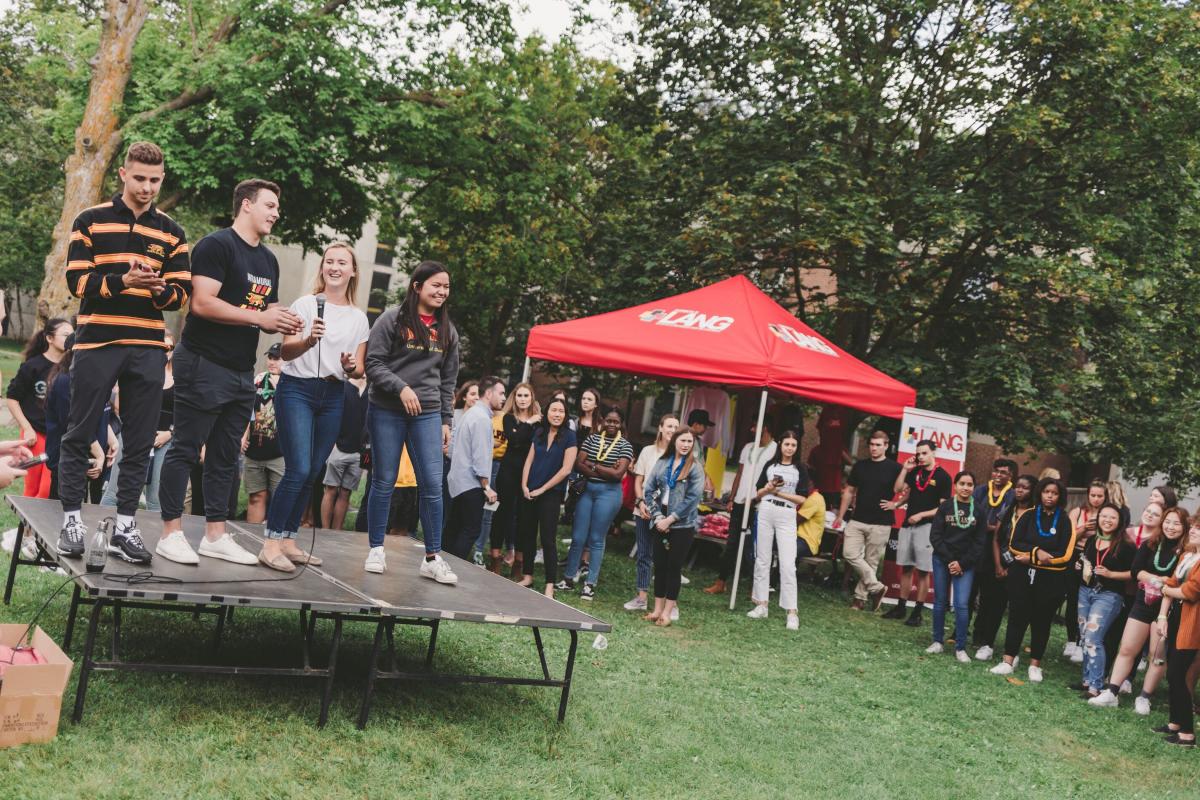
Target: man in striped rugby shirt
{"type": "Point", "coordinates": [127, 263]}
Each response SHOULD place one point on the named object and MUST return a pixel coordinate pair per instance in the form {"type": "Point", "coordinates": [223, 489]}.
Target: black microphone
{"type": "Point", "coordinates": [321, 306]}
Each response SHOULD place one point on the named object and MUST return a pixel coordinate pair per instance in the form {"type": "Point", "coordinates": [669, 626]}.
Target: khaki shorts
{"type": "Point", "coordinates": [262, 476]}
{"type": "Point", "coordinates": [913, 548]}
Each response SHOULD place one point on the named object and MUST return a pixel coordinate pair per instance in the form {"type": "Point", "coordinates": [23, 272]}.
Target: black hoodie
{"type": "Point", "coordinates": [959, 537]}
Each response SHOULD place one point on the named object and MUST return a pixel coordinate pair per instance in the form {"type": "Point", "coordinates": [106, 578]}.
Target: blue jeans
{"type": "Point", "coordinates": [390, 431]}
{"type": "Point", "coordinates": [1098, 609]}
{"type": "Point", "coordinates": [308, 414]}
{"type": "Point", "coordinates": [645, 553]}
{"type": "Point", "coordinates": [594, 513]}
{"type": "Point", "coordinates": [942, 582]}
{"type": "Point", "coordinates": [485, 530]}
{"type": "Point", "coordinates": [157, 456]}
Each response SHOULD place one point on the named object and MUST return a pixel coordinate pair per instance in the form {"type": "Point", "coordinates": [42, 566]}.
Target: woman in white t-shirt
{"type": "Point", "coordinates": [308, 400]}
{"type": "Point", "coordinates": [667, 425]}
{"type": "Point", "coordinates": [783, 486]}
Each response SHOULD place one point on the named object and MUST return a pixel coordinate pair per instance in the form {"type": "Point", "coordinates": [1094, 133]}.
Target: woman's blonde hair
{"type": "Point", "coordinates": [351, 285]}
{"type": "Point", "coordinates": [1116, 493]}
{"type": "Point", "coordinates": [510, 403]}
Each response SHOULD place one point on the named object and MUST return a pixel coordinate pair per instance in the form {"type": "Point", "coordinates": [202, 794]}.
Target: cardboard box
{"type": "Point", "coordinates": [31, 695]}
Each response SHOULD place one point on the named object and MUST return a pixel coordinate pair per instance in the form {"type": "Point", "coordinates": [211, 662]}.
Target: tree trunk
{"type": "Point", "coordinates": [96, 141]}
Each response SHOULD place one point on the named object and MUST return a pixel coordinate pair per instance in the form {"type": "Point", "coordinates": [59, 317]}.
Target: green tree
{"type": "Point", "coordinates": [1003, 194]}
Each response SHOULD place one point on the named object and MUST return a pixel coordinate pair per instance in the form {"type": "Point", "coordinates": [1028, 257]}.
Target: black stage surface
{"type": "Point", "coordinates": [339, 590]}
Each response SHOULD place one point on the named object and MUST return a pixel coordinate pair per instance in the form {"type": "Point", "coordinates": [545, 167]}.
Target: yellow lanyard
{"type": "Point", "coordinates": [997, 501]}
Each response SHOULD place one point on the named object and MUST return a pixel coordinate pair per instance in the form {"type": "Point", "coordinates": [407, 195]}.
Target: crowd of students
{"type": "Point", "coordinates": [488, 471]}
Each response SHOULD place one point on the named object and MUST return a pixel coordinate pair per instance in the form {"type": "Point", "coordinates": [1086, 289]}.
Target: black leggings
{"type": "Point", "coordinates": [993, 600]}
{"type": "Point", "coordinates": [1071, 583]}
{"type": "Point", "coordinates": [1178, 663]}
{"type": "Point", "coordinates": [1033, 597]}
{"type": "Point", "coordinates": [670, 550]}
{"type": "Point", "coordinates": [539, 514]}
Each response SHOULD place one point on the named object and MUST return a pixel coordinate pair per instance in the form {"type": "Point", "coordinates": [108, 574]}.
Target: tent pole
{"type": "Point", "coordinates": [525, 374]}
{"type": "Point", "coordinates": [750, 476]}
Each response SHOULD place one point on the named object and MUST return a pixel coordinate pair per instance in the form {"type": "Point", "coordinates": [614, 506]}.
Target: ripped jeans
{"type": "Point", "coordinates": [1098, 609]}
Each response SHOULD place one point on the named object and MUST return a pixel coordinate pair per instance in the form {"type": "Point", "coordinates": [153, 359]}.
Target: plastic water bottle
{"type": "Point", "coordinates": [97, 553]}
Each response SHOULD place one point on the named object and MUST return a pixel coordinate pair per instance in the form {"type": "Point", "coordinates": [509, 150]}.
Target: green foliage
{"type": "Point", "coordinates": [1001, 192]}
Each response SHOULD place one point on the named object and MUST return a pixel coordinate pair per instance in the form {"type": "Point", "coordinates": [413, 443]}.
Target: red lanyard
{"type": "Point", "coordinates": [917, 480]}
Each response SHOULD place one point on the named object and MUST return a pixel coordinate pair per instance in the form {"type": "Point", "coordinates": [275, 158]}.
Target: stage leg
{"type": "Point", "coordinates": [537, 637]}
{"type": "Point", "coordinates": [306, 633]}
{"type": "Point", "coordinates": [372, 671]}
{"type": "Point", "coordinates": [566, 690]}
{"type": "Point", "coordinates": [220, 628]}
{"type": "Point", "coordinates": [333, 653]}
{"type": "Point", "coordinates": [85, 668]}
{"type": "Point", "coordinates": [71, 620]}
{"type": "Point", "coordinates": [393, 664]}
{"type": "Point", "coordinates": [116, 631]}
{"type": "Point", "coordinates": [433, 629]}
{"type": "Point", "coordinates": [12, 565]}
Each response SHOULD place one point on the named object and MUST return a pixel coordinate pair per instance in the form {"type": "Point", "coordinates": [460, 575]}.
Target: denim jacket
{"type": "Point", "coordinates": [684, 500]}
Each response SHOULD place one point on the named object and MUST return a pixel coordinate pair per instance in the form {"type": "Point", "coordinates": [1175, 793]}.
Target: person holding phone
{"type": "Point", "coordinates": [782, 488]}
{"type": "Point", "coordinates": [15, 460]}
{"type": "Point", "coordinates": [127, 263]}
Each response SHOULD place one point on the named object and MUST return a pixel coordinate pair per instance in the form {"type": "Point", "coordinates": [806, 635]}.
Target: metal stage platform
{"type": "Point", "coordinates": [339, 591]}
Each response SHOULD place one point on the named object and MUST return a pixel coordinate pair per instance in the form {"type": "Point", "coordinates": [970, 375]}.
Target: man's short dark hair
{"type": "Point", "coordinates": [248, 190]}
{"type": "Point", "coordinates": [930, 443]}
{"type": "Point", "coordinates": [488, 382]}
{"type": "Point", "coordinates": [144, 153]}
{"type": "Point", "coordinates": [1005, 462]}
{"type": "Point", "coordinates": [878, 434]}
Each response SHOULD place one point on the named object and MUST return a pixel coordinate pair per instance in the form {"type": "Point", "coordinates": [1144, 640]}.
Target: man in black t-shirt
{"type": "Point", "coordinates": [869, 489]}
{"type": "Point", "coordinates": [235, 280]}
{"type": "Point", "coordinates": [924, 486]}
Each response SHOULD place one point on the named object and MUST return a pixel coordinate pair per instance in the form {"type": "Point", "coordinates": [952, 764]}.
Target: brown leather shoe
{"type": "Point", "coordinates": [279, 562]}
{"type": "Point", "coordinates": [718, 587]}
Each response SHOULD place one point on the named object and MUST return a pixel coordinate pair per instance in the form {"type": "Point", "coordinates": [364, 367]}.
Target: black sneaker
{"type": "Point", "coordinates": [565, 585]}
{"type": "Point", "coordinates": [70, 539]}
{"type": "Point", "coordinates": [127, 544]}
{"type": "Point", "coordinates": [914, 619]}
{"type": "Point", "coordinates": [898, 611]}
{"type": "Point", "coordinates": [1174, 739]}
{"type": "Point", "coordinates": [588, 592]}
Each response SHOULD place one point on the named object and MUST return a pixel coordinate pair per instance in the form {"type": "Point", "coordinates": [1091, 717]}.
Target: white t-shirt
{"type": "Point", "coordinates": [645, 462]}
{"type": "Point", "coordinates": [790, 476]}
{"type": "Point", "coordinates": [746, 490]}
{"type": "Point", "coordinates": [345, 329]}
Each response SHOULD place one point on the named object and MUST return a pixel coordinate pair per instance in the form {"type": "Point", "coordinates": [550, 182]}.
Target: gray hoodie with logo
{"type": "Point", "coordinates": [394, 362]}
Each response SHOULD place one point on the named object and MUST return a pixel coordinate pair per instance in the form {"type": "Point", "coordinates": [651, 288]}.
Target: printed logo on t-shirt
{"type": "Point", "coordinates": [39, 390]}
{"type": "Point", "coordinates": [260, 290]}
{"type": "Point", "coordinates": [156, 250]}
{"type": "Point", "coordinates": [413, 343]}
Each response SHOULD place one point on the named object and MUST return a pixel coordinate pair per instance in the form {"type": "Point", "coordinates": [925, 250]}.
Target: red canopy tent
{"type": "Point", "coordinates": [728, 333]}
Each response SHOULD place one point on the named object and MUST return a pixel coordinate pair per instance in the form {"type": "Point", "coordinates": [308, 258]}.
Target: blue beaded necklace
{"type": "Point", "coordinates": [1053, 523]}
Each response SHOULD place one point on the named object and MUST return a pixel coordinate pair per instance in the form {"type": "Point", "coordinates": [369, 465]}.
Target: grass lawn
{"type": "Point", "coordinates": [717, 706]}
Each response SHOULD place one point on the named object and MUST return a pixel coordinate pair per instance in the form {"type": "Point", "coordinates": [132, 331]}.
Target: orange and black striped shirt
{"type": "Point", "coordinates": [104, 241]}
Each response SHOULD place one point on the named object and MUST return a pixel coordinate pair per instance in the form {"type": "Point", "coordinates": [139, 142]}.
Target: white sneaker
{"type": "Point", "coordinates": [984, 653]}
{"type": "Point", "coordinates": [438, 570]}
{"type": "Point", "coordinates": [1141, 667]}
{"type": "Point", "coordinates": [376, 560]}
{"type": "Point", "coordinates": [540, 558]}
{"type": "Point", "coordinates": [1077, 656]}
{"type": "Point", "coordinates": [176, 548]}
{"type": "Point", "coordinates": [934, 648]}
{"type": "Point", "coordinates": [1069, 649]}
{"type": "Point", "coordinates": [226, 549]}
{"type": "Point", "coordinates": [1105, 699]}
{"type": "Point", "coordinates": [1003, 668]}
{"type": "Point", "coordinates": [636, 604]}
{"type": "Point", "coordinates": [1035, 674]}
{"type": "Point", "coordinates": [683, 580]}
{"type": "Point", "coordinates": [962, 656]}
{"type": "Point", "coordinates": [758, 612]}
{"type": "Point", "coordinates": [1126, 687]}
{"type": "Point", "coordinates": [793, 622]}
{"type": "Point", "coordinates": [1141, 706]}
{"type": "Point", "coordinates": [675, 614]}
